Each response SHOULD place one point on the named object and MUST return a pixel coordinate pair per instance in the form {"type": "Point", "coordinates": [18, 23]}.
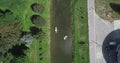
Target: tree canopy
{"type": "Point", "coordinates": [38, 20]}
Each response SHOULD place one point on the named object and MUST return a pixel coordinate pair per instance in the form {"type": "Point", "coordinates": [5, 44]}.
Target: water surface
{"type": "Point", "coordinates": [61, 50]}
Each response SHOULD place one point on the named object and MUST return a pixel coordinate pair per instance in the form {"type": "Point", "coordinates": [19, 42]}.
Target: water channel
{"type": "Point", "coordinates": [60, 17]}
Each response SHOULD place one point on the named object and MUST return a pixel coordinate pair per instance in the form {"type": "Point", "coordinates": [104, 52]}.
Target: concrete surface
{"type": "Point", "coordinates": [98, 30]}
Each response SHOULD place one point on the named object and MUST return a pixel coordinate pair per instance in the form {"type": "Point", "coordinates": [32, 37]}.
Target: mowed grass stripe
{"type": "Point", "coordinates": [80, 31]}
{"type": "Point", "coordinates": [33, 54]}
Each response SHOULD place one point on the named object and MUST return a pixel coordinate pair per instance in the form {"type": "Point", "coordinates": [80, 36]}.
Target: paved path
{"type": "Point", "coordinates": [91, 30]}
{"type": "Point", "coordinates": [98, 30]}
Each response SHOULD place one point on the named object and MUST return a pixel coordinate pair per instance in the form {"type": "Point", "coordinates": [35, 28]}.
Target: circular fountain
{"type": "Point", "coordinates": [110, 47]}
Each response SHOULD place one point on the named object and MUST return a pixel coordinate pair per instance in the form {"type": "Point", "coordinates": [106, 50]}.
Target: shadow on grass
{"type": "Point", "coordinates": [115, 7]}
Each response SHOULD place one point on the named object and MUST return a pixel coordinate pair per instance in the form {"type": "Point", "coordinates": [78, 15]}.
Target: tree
{"type": "Point", "coordinates": [20, 59]}
{"type": "Point", "coordinates": [8, 57]}
{"type": "Point", "coordinates": [38, 20]}
{"type": "Point", "coordinates": [39, 8]}
{"type": "Point", "coordinates": [34, 30]}
{"type": "Point", "coordinates": [9, 35]}
{"type": "Point", "coordinates": [7, 16]}
{"type": "Point", "coordinates": [40, 35]}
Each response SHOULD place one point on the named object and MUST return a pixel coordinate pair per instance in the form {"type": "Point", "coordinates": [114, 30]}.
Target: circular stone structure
{"type": "Point", "coordinates": [110, 47]}
{"type": "Point", "coordinates": [39, 8]}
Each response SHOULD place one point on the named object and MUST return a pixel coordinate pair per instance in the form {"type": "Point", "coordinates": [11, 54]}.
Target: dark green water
{"type": "Point", "coordinates": [61, 50]}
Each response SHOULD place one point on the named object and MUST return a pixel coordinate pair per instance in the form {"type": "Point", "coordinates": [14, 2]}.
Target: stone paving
{"type": "Point", "coordinates": [98, 30]}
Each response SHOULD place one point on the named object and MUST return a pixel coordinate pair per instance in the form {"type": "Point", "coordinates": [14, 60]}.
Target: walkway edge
{"type": "Point", "coordinates": [91, 24]}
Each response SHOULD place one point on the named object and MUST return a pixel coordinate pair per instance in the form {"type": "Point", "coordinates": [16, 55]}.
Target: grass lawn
{"type": "Point", "coordinates": [37, 48]}
{"type": "Point", "coordinates": [22, 11]}
{"type": "Point", "coordinates": [80, 31]}
{"type": "Point", "coordinates": [104, 10]}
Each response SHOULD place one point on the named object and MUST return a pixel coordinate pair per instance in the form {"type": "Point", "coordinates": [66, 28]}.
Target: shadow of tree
{"type": "Point", "coordinates": [18, 50]}
{"type": "Point", "coordinates": [115, 7]}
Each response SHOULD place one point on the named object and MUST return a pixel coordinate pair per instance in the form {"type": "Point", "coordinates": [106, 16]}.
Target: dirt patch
{"type": "Point", "coordinates": [39, 8]}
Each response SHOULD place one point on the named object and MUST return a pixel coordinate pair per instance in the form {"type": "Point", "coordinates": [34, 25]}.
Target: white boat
{"type": "Point", "coordinates": [65, 37]}
{"type": "Point", "coordinates": [56, 29]}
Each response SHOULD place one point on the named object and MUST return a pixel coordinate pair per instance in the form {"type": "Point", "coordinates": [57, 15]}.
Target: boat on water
{"type": "Point", "coordinates": [56, 29]}
{"type": "Point", "coordinates": [65, 37]}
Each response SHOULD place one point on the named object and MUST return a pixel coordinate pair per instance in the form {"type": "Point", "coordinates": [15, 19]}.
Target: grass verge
{"type": "Point", "coordinates": [80, 31]}
{"type": "Point", "coordinates": [40, 49]}
{"type": "Point", "coordinates": [22, 11]}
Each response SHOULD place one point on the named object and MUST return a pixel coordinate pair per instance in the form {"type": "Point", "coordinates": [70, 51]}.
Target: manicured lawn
{"type": "Point", "coordinates": [80, 31]}
{"type": "Point", "coordinates": [40, 50]}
